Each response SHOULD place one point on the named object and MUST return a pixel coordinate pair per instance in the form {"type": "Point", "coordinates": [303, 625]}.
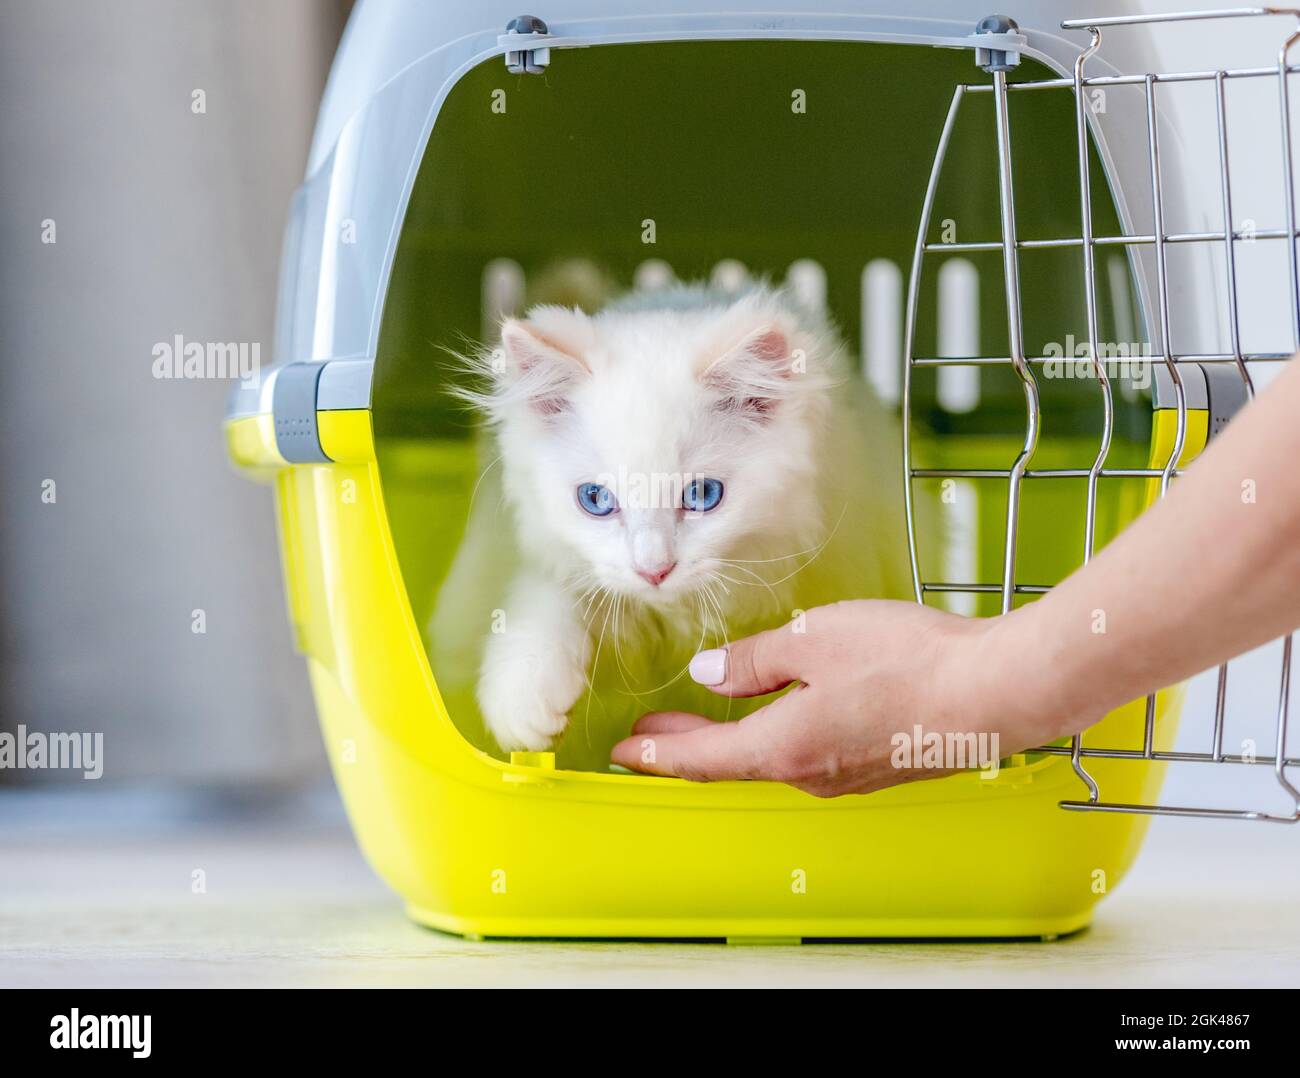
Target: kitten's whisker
{"type": "Point", "coordinates": [724, 641]}
{"type": "Point", "coordinates": [659, 688]}
{"type": "Point", "coordinates": [700, 613]}
{"type": "Point", "coordinates": [479, 481]}
{"type": "Point", "coordinates": [585, 595]}
{"type": "Point", "coordinates": [772, 595]}
{"type": "Point", "coordinates": [590, 594]}
{"type": "Point", "coordinates": [600, 643]}
{"type": "Point", "coordinates": [699, 605]}
{"type": "Point", "coordinates": [599, 591]}
{"type": "Point", "coordinates": [801, 568]}
{"type": "Point", "coordinates": [707, 609]}
{"type": "Point", "coordinates": [781, 557]}
{"type": "Point", "coordinates": [619, 610]}
{"type": "Point", "coordinates": [712, 599]}
{"type": "Point", "coordinates": [619, 600]}
{"type": "Point", "coordinates": [587, 676]}
{"type": "Point", "coordinates": [757, 582]}
{"type": "Point", "coordinates": [817, 551]}
{"type": "Point", "coordinates": [623, 669]}
{"type": "Point", "coordinates": [590, 672]}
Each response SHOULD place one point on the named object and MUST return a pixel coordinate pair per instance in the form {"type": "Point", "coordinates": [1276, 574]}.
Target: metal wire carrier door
{"type": "Point", "coordinates": [1221, 374]}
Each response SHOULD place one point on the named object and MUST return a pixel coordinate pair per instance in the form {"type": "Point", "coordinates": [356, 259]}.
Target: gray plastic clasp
{"type": "Point", "coordinates": [528, 60]}
{"type": "Point", "coordinates": [294, 408]}
{"type": "Point", "coordinates": [1002, 54]}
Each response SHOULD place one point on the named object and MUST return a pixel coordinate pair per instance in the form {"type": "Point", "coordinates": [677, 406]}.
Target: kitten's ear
{"type": "Point", "coordinates": [754, 373]}
{"type": "Point", "coordinates": [541, 364]}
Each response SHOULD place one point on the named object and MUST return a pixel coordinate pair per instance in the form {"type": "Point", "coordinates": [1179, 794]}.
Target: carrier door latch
{"type": "Point", "coordinates": [999, 42]}
{"type": "Point", "coordinates": [524, 57]}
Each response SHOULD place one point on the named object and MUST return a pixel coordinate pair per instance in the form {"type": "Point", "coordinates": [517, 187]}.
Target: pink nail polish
{"type": "Point", "coordinates": [709, 667]}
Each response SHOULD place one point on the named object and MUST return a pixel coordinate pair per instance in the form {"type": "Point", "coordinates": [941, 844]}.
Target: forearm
{"type": "Point", "coordinates": [1211, 571]}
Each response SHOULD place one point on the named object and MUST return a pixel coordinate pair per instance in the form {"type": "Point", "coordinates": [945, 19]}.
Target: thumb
{"type": "Point", "coordinates": [756, 665]}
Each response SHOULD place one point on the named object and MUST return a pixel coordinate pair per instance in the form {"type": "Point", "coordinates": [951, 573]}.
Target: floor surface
{"type": "Point", "coordinates": [109, 900]}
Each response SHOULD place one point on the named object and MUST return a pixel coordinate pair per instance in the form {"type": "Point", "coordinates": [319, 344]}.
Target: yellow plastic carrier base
{"type": "Point", "coordinates": [480, 847]}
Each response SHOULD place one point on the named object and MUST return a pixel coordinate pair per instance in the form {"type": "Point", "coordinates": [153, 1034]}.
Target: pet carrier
{"type": "Point", "coordinates": [464, 152]}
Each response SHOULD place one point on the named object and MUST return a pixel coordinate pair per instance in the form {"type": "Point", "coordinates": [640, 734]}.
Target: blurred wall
{"type": "Point", "coordinates": [167, 220]}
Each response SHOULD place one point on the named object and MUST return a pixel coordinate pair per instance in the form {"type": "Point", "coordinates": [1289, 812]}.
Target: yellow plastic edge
{"type": "Point", "coordinates": [1164, 434]}
{"type": "Point", "coordinates": [250, 446]}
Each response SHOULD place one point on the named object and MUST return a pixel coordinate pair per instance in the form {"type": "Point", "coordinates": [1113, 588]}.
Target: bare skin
{"type": "Point", "coordinates": [1210, 572]}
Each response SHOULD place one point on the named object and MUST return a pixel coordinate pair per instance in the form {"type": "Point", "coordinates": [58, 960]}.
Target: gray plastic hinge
{"type": "Point", "coordinates": [1192, 375]}
{"type": "Point", "coordinates": [1218, 388]}
{"type": "Point", "coordinates": [293, 405]}
{"type": "Point", "coordinates": [527, 58]}
{"type": "Point", "coordinates": [1002, 52]}
{"type": "Point", "coordinates": [1227, 394]}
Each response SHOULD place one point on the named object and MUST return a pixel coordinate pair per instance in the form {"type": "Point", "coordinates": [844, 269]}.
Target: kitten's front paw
{"type": "Point", "coordinates": [525, 697]}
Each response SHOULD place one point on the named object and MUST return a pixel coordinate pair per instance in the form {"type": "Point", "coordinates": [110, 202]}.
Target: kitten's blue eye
{"type": "Point", "coordinates": [701, 495]}
{"type": "Point", "coordinates": [597, 500]}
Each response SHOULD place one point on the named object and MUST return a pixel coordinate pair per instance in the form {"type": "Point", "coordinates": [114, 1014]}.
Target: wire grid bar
{"type": "Point", "coordinates": [1209, 357]}
{"type": "Point", "coordinates": [1138, 80]}
{"type": "Point", "coordinates": [1010, 244]}
{"type": "Point", "coordinates": [1138, 240]}
{"type": "Point", "coordinates": [1041, 473]}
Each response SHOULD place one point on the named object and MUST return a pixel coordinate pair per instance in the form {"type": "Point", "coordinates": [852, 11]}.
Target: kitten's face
{"type": "Point", "coordinates": [654, 446]}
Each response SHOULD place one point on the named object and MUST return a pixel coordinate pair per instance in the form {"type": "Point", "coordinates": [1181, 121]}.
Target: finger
{"type": "Point", "coordinates": [710, 753]}
{"type": "Point", "coordinates": [756, 665]}
{"type": "Point", "coordinates": [669, 722]}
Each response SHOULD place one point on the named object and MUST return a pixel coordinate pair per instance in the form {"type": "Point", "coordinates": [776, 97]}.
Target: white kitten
{"type": "Point", "coordinates": [695, 465]}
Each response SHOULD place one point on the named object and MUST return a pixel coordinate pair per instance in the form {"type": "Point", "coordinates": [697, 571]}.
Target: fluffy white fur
{"type": "Point", "coordinates": [642, 397]}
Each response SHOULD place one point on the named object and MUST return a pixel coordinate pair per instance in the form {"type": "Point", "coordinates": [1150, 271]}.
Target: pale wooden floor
{"type": "Point", "coordinates": [106, 900]}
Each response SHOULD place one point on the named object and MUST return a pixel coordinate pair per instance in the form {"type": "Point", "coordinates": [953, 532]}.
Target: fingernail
{"type": "Point", "coordinates": [709, 667]}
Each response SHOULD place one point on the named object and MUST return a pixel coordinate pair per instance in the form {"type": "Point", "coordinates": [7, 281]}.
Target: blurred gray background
{"type": "Point", "coordinates": [167, 221]}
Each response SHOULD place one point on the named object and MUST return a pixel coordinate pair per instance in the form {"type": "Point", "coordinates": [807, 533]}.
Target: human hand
{"type": "Point", "coordinates": [864, 674]}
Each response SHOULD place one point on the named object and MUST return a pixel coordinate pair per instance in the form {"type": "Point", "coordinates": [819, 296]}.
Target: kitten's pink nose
{"type": "Point", "coordinates": [656, 577]}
